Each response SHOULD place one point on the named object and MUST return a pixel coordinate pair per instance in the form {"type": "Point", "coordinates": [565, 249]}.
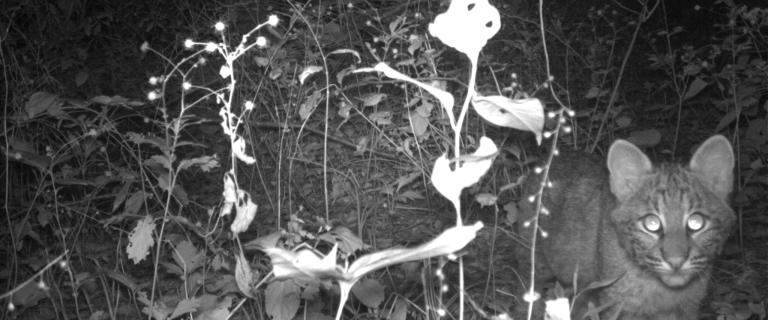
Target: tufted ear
{"type": "Point", "coordinates": [713, 163]}
{"type": "Point", "coordinates": [628, 166]}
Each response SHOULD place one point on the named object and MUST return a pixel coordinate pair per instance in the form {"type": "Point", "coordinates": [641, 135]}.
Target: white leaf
{"type": "Point", "coordinates": [246, 211]}
{"type": "Point", "coordinates": [523, 114]}
{"type": "Point", "coordinates": [467, 26]}
{"type": "Point", "coordinates": [450, 182]}
{"type": "Point", "coordinates": [308, 71]}
{"type": "Point", "coordinates": [140, 239]}
{"type": "Point", "coordinates": [558, 309]}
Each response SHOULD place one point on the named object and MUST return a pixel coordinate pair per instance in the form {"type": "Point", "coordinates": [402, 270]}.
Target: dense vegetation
{"type": "Point", "coordinates": [119, 170]}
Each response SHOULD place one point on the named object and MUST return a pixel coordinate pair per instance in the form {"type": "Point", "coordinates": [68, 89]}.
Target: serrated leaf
{"type": "Point", "coordinates": [185, 306]}
{"type": "Point", "coordinates": [141, 239]}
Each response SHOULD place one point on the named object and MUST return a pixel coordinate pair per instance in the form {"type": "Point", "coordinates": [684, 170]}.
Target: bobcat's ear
{"type": "Point", "coordinates": [713, 162]}
{"type": "Point", "coordinates": [628, 166]}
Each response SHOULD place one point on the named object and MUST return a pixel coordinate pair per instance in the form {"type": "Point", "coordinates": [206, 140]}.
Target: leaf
{"type": "Point", "coordinates": [445, 98]}
{"type": "Point", "coordinates": [486, 199]}
{"type": "Point", "coordinates": [558, 309]}
{"type": "Point", "coordinates": [521, 114]}
{"type": "Point", "coordinates": [219, 313]}
{"type": "Point", "coordinates": [450, 241]}
{"type": "Point", "coordinates": [238, 148]}
{"type": "Point", "coordinates": [134, 202]}
{"type": "Point", "coordinates": [595, 92]}
{"type": "Point", "coordinates": [409, 195]}
{"type": "Point", "coordinates": [347, 240]}
{"type": "Point", "coordinates": [282, 299]}
{"type": "Point", "coordinates": [645, 138]}
{"type": "Point", "coordinates": [246, 211]}
{"type": "Point", "coordinates": [304, 264]}
{"type": "Point", "coordinates": [28, 295]}
{"type": "Point", "coordinates": [158, 311]}
{"type": "Point", "coordinates": [728, 118]}
{"type": "Point", "coordinates": [187, 257]}
{"type": "Point", "coordinates": [467, 28]}
{"type": "Point", "coordinates": [206, 163]}
{"type": "Point", "coordinates": [138, 138]}
{"type": "Point", "coordinates": [185, 306]}
{"type": "Point", "coordinates": [141, 239]}
{"type": "Point", "coordinates": [696, 86]}
{"type": "Point", "coordinates": [381, 118]}
{"type": "Point", "coordinates": [261, 61]}
{"type": "Point", "coordinates": [39, 102]}
{"type": "Point", "coordinates": [623, 121]}
{"type": "Point", "coordinates": [419, 124]}
{"type": "Point", "coordinates": [373, 99]}
{"type": "Point", "coordinates": [260, 243]}
{"type": "Point", "coordinates": [244, 275]}
{"type": "Point", "coordinates": [347, 51]}
{"type": "Point", "coordinates": [400, 311]}
{"type": "Point", "coordinates": [309, 105]}
{"type": "Point", "coordinates": [81, 77]}
{"type": "Point", "coordinates": [450, 182]}
{"type": "Point", "coordinates": [370, 292]}
{"type": "Point", "coordinates": [121, 195]}
{"type": "Point", "coordinates": [29, 158]}
{"type": "Point", "coordinates": [161, 160]}
{"type": "Point", "coordinates": [308, 71]}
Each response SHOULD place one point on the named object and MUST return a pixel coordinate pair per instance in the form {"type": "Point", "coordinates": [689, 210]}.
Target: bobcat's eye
{"type": "Point", "coordinates": [695, 221]}
{"type": "Point", "coordinates": [652, 223]}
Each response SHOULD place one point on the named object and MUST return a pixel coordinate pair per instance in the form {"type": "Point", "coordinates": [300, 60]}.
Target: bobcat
{"type": "Point", "coordinates": [648, 234]}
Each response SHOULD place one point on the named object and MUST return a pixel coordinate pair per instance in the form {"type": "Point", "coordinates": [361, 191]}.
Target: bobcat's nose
{"type": "Point", "coordinates": [676, 262]}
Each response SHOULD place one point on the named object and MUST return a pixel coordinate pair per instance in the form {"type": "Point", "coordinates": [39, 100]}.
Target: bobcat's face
{"type": "Point", "coordinates": [673, 226]}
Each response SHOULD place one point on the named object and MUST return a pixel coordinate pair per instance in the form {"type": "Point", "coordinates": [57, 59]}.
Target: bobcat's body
{"type": "Point", "coordinates": [647, 233]}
